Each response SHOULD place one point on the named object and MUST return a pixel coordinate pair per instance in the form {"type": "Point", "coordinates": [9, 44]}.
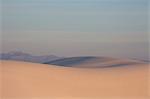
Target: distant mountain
{"type": "Point", "coordinates": [81, 61]}
{"type": "Point", "coordinates": [93, 62]}
{"type": "Point", "coordinates": [20, 56]}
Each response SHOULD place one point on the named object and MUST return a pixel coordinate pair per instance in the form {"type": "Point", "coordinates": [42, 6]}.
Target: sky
{"type": "Point", "coordinates": [114, 28]}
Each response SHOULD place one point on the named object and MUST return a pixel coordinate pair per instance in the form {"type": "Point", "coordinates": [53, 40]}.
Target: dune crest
{"type": "Point", "coordinates": [94, 62]}
{"type": "Point", "coordinates": [21, 80]}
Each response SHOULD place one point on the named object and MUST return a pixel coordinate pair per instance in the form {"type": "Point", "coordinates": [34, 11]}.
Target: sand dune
{"type": "Point", "coordinates": [111, 63]}
{"type": "Point", "coordinates": [79, 61]}
{"type": "Point", "coordinates": [94, 62]}
{"type": "Point", "coordinates": [22, 80]}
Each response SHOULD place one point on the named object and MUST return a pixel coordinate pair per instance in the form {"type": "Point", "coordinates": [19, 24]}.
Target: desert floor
{"type": "Point", "coordinates": [22, 80]}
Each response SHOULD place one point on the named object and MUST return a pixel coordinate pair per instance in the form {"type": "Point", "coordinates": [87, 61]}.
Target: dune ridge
{"type": "Point", "coordinates": [94, 62]}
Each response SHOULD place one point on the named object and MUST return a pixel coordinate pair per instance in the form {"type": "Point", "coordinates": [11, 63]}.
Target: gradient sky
{"type": "Point", "coordinates": [116, 28]}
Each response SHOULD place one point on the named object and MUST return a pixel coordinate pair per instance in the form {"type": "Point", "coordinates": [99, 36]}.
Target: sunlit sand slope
{"type": "Point", "coordinates": [22, 80]}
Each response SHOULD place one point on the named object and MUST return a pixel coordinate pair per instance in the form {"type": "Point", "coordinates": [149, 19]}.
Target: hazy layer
{"type": "Point", "coordinates": [116, 28]}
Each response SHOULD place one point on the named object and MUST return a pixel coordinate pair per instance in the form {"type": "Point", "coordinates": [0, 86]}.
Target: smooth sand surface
{"type": "Point", "coordinates": [21, 80]}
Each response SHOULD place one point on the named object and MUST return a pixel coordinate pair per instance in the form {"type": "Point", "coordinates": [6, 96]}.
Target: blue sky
{"type": "Point", "coordinates": [77, 27]}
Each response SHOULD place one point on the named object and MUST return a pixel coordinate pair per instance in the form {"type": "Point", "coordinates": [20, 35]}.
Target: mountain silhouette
{"type": "Point", "coordinates": [21, 56]}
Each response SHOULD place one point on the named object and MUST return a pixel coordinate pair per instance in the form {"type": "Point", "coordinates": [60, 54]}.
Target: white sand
{"type": "Point", "coordinates": [22, 80]}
